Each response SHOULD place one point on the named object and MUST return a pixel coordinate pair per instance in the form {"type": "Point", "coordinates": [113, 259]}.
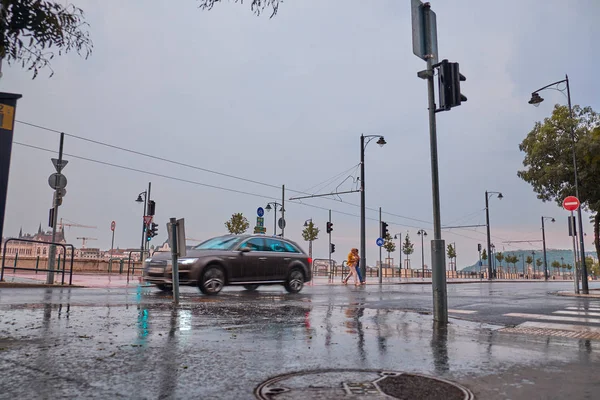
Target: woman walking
{"type": "Point", "coordinates": [352, 262]}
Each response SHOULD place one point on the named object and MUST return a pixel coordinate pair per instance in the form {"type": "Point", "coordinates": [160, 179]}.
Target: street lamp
{"type": "Point", "coordinates": [399, 237]}
{"type": "Point", "coordinates": [533, 262]}
{"type": "Point", "coordinates": [140, 200]}
{"type": "Point", "coordinates": [487, 223]}
{"type": "Point", "coordinates": [274, 208]}
{"type": "Point", "coordinates": [535, 100]}
{"type": "Point", "coordinates": [544, 245]}
{"type": "Point", "coordinates": [422, 233]}
{"type": "Point", "coordinates": [363, 244]}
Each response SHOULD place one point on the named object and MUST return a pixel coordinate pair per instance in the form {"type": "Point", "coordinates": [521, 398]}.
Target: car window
{"type": "Point", "coordinates": [254, 244]}
{"type": "Point", "coordinates": [219, 243]}
{"type": "Point", "coordinates": [290, 248]}
{"type": "Point", "coordinates": [276, 245]}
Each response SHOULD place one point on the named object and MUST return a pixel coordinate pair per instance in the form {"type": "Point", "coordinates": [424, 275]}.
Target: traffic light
{"type": "Point", "coordinates": [151, 207]}
{"type": "Point", "coordinates": [449, 78]}
{"type": "Point", "coordinates": [384, 229]}
{"type": "Point", "coordinates": [329, 227]}
{"type": "Point", "coordinates": [332, 248]}
{"type": "Point", "coordinates": [478, 246]}
{"type": "Point", "coordinates": [152, 231]}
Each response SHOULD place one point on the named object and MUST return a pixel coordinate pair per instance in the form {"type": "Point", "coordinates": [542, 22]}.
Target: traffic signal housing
{"type": "Point", "coordinates": [384, 229]}
{"type": "Point", "coordinates": [329, 227]}
{"type": "Point", "coordinates": [449, 78]}
{"type": "Point", "coordinates": [152, 231]}
{"type": "Point", "coordinates": [151, 207]}
{"type": "Point", "coordinates": [332, 248]}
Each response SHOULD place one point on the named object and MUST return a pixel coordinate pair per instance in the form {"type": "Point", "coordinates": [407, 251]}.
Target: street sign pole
{"type": "Point", "coordinates": [112, 244]}
{"type": "Point", "coordinates": [329, 266]}
{"type": "Point", "coordinates": [573, 230]}
{"type": "Point", "coordinates": [425, 31]}
{"type": "Point", "coordinates": [56, 200]}
{"type": "Point", "coordinates": [174, 256]}
{"type": "Point", "coordinates": [381, 235]}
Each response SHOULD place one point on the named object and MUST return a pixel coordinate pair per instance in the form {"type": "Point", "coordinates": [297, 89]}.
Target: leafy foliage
{"type": "Point", "coordinates": [389, 244]}
{"type": "Point", "coordinates": [30, 29]}
{"type": "Point", "coordinates": [257, 6]}
{"type": "Point", "coordinates": [539, 262]}
{"type": "Point", "coordinates": [529, 260]}
{"type": "Point", "coordinates": [451, 251]}
{"type": "Point", "coordinates": [500, 257]}
{"type": "Point", "coordinates": [310, 232]}
{"type": "Point", "coordinates": [548, 158]}
{"type": "Point", "coordinates": [484, 256]}
{"type": "Point", "coordinates": [408, 247]}
{"type": "Point", "coordinates": [238, 224]}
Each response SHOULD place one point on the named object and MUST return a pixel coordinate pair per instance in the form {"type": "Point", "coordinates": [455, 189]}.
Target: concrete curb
{"type": "Point", "coordinates": [590, 296]}
{"type": "Point", "coordinates": [21, 285]}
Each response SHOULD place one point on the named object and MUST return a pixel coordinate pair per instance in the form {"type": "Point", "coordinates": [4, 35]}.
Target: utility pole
{"type": "Point", "coordinates": [380, 260]}
{"type": "Point", "coordinates": [56, 202]}
{"type": "Point", "coordinates": [283, 211]}
{"type": "Point", "coordinates": [363, 245]}
{"type": "Point", "coordinates": [174, 259]}
{"type": "Point", "coordinates": [330, 274]}
{"type": "Point", "coordinates": [148, 198]}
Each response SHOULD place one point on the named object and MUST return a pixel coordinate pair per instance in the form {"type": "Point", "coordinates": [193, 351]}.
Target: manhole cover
{"type": "Point", "coordinates": [357, 383]}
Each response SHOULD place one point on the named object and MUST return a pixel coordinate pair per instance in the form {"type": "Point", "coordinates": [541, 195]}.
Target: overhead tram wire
{"type": "Point", "coordinates": [195, 182]}
{"type": "Point", "coordinates": [201, 168]}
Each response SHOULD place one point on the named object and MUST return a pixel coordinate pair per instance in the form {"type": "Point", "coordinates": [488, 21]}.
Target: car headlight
{"type": "Point", "coordinates": [186, 261]}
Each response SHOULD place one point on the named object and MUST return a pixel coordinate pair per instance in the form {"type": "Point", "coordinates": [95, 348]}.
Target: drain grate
{"type": "Point", "coordinates": [553, 332]}
{"type": "Point", "coordinates": [357, 383]}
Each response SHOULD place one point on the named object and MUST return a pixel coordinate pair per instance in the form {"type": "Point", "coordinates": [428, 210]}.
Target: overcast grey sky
{"type": "Point", "coordinates": [284, 101]}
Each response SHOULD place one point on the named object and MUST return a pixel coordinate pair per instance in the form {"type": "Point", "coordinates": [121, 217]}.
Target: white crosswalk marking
{"type": "Point", "coordinates": [584, 313]}
{"type": "Point", "coordinates": [573, 322]}
{"type": "Point", "coordinates": [454, 311]}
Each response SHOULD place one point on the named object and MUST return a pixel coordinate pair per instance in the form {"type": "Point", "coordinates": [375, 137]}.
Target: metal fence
{"type": "Point", "coordinates": [58, 270]}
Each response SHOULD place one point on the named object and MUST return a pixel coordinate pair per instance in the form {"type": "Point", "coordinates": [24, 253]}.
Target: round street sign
{"type": "Point", "coordinates": [379, 242]}
{"type": "Point", "coordinates": [260, 211]}
{"type": "Point", "coordinates": [112, 226]}
{"type": "Point", "coordinates": [281, 223]}
{"type": "Point", "coordinates": [57, 181]}
{"type": "Point", "coordinates": [571, 203]}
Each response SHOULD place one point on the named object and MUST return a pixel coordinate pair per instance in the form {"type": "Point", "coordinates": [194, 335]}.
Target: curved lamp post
{"type": "Point", "coordinates": [535, 100]}
{"type": "Point", "coordinates": [491, 270]}
{"type": "Point", "coordinates": [544, 244]}
{"type": "Point", "coordinates": [144, 200]}
{"type": "Point", "coordinates": [363, 247]}
{"type": "Point", "coordinates": [422, 233]}
{"type": "Point", "coordinates": [274, 208]}
{"type": "Point", "coordinates": [399, 237]}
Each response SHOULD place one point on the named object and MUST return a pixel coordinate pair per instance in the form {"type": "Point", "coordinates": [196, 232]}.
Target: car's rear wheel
{"type": "Point", "coordinates": [164, 288]}
{"type": "Point", "coordinates": [295, 281]}
{"type": "Point", "coordinates": [212, 281]}
{"type": "Point", "coordinates": [251, 288]}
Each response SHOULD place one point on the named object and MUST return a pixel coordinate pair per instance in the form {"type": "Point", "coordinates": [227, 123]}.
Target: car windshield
{"type": "Point", "coordinates": [219, 243]}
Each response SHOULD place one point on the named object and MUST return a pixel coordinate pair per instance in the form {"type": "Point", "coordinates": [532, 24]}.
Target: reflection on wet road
{"type": "Point", "coordinates": [131, 343]}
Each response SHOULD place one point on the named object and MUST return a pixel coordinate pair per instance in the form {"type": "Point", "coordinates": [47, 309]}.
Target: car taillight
{"type": "Point", "coordinates": [309, 261]}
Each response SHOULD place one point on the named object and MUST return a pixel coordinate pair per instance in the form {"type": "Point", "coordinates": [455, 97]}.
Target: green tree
{"type": "Point", "coordinates": [556, 266]}
{"type": "Point", "coordinates": [593, 267]}
{"type": "Point", "coordinates": [310, 233]}
{"type": "Point", "coordinates": [539, 263]}
{"type": "Point", "coordinates": [389, 244]}
{"type": "Point", "coordinates": [238, 224]}
{"type": "Point", "coordinates": [451, 252]}
{"type": "Point", "coordinates": [529, 261]}
{"type": "Point", "coordinates": [408, 248]}
{"type": "Point", "coordinates": [484, 256]}
{"type": "Point", "coordinates": [500, 257]}
{"type": "Point", "coordinates": [549, 159]}
{"type": "Point", "coordinates": [257, 6]}
{"type": "Point", "coordinates": [512, 259]}
{"type": "Point", "coordinates": [30, 30]}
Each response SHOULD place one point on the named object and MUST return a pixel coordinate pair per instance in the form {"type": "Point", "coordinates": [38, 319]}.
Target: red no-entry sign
{"type": "Point", "coordinates": [571, 203]}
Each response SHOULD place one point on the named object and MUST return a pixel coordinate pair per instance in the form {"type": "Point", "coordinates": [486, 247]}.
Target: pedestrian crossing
{"type": "Point", "coordinates": [580, 322]}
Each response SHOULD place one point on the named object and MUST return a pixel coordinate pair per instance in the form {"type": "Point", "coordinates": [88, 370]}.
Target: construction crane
{"type": "Point", "coordinates": [62, 224]}
{"type": "Point", "coordinates": [85, 239]}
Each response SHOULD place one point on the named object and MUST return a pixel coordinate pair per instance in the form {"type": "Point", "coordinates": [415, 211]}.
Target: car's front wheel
{"type": "Point", "coordinates": [212, 281]}
{"type": "Point", "coordinates": [295, 281]}
{"type": "Point", "coordinates": [164, 288]}
{"type": "Point", "coordinates": [250, 288]}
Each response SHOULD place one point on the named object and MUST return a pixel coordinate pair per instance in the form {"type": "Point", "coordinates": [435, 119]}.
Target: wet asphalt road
{"type": "Point", "coordinates": [131, 343]}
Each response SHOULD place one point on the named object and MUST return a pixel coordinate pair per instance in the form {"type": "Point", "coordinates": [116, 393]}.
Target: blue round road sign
{"type": "Point", "coordinates": [379, 242]}
{"type": "Point", "coordinates": [260, 212]}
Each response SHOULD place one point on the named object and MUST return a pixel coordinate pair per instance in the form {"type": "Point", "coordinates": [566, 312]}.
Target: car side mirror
{"type": "Point", "coordinates": [245, 250]}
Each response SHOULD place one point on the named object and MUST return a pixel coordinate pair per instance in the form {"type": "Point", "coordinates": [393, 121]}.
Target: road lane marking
{"type": "Point", "coordinates": [582, 313]}
{"type": "Point", "coordinates": [564, 327]}
{"type": "Point", "coordinates": [462, 311]}
{"type": "Point", "coordinates": [554, 318]}
{"type": "Point", "coordinates": [584, 308]}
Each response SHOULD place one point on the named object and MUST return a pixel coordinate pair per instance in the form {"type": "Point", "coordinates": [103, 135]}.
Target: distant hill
{"type": "Point", "coordinates": [551, 255]}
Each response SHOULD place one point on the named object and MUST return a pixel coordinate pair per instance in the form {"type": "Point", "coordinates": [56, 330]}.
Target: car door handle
{"type": "Point", "coordinates": [286, 259]}
{"type": "Point", "coordinates": [262, 258]}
